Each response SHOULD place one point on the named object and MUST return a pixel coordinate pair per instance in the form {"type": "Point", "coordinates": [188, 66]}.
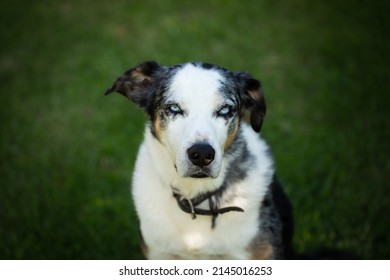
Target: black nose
{"type": "Point", "coordinates": [201, 154]}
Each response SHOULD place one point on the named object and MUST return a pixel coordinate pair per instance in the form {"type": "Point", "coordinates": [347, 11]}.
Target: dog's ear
{"type": "Point", "coordinates": [138, 83]}
{"type": "Point", "coordinates": [252, 97]}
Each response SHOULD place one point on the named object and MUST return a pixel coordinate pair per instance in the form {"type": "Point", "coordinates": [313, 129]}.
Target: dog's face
{"type": "Point", "coordinates": [195, 109]}
{"type": "Point", "coordinates": [197, 120]}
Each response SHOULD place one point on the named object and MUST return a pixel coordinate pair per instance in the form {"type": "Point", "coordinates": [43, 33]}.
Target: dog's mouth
{"type": "Point", "coordinates": [199, 175]}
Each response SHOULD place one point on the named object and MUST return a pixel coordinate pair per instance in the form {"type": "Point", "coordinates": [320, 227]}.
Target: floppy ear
{"type": "Point", "coordinates": [252, 99]}
{"type": "Point", "coordinates": [138, 84]}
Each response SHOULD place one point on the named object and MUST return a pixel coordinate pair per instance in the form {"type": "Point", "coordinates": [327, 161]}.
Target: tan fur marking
{"type": "Point", "coordinates": [157, 127]}
{"type": "Point", "coordinates": [140, 77]}
{"type": "Point", "coordinates": [246, 116]}
{"type": "Point", "coordinates": [231, 136]}
{"type": "Point", "coordinates": [255, 94]}
{"type": "Point", "coordinates": [263, 252]}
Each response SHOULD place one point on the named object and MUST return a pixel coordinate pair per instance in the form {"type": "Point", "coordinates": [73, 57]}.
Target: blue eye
{"type": "Point", "coordinates": [174, 109]}
{"type": "Point", "coordinates": [225, 111]}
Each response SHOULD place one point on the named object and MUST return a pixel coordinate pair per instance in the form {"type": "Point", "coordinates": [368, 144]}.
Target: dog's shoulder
{"type": "Point", "coordinates": [274, 238]}
{"type": "Point", "coordinates": [275, 230]}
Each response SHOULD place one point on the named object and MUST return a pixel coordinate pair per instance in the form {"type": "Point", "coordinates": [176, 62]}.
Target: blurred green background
{"type": "Point", "coordinates": [67, 152]}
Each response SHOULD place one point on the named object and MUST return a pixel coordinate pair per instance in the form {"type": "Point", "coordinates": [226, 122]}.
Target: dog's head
{"type": "Point", "coordinates": [195, 109]}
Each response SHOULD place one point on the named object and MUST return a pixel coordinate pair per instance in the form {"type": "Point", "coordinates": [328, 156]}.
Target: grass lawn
{"type": "Point", "coordinates": [67, 152]}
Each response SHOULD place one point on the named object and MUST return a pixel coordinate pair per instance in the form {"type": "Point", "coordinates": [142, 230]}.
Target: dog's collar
{"type": "Point", "coordinates": [190, 205]}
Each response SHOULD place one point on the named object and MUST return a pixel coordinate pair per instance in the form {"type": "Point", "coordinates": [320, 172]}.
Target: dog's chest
{"type": "Point", "coordinates": [196, 239]}
{"type": "Point", "coordinates": [179, 236]}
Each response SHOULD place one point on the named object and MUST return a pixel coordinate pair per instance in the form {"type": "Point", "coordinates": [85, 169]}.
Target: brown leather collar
{"type": "Point", "coordinates": [190, 205]}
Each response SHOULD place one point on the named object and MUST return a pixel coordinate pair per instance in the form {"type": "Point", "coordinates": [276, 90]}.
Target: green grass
{"type": "Point", "coordinates": [67, 152]}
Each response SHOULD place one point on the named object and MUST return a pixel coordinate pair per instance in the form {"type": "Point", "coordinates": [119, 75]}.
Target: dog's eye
{"type": "Point", "coordinates": [225, 111]}
{"type": "Point", "coordinates": [174, 109]}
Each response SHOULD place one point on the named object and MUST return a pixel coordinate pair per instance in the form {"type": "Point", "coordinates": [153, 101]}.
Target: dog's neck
{"type": "Point", "coordinates": [192, 188]}
{"type": "Point", "coordinates": [204, 204]}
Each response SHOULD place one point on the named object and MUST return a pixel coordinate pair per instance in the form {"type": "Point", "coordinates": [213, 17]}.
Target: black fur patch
{"type": "Point", "coordinates": [277, 221]}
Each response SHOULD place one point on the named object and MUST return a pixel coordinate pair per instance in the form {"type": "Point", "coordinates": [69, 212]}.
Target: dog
{"type": "Point", "coordinates": [204, 185]}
